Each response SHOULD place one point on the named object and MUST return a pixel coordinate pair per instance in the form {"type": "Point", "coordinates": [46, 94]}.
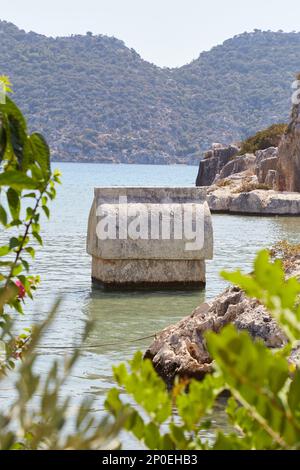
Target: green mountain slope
{"type": "Point", "coordinates": [97, 100]}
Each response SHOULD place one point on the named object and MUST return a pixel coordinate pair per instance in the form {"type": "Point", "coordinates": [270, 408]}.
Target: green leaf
{"type": "Point", "coordinates": [17, 270]}
{"type": "Point", "coordinates": [3, 216]}
{"type": "Point", "coordinates": [30, 195]}
{"type": "Point", "coordinates": [37, 236]}
{"type": "Point", "coordinates": [17, 136]}
{"type": "Point", "coordinates": [3, 142]}
{"type": "Point", "coordinates": [14, 204]}
{"type": "Point", "coordinates": [4, 250]}
{"type": "Point", "coordinates": [13, 243]}
{"type": "Point", "coordinates": [46, 211]}
{"type": "Point", "coordinates": [41, 153]}
{"type": "Point", "coordinates": [17, 180]}
{"type": "Point", "coordinates": [25, 264]}
{"type": "Point", "coordinates": [294, 395]}
{"type": "Point", "coordinates": [31, 251]}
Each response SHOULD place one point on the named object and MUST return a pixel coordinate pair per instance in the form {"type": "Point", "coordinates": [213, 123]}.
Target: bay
{"type": "Point", "coordinates": [121, 318]}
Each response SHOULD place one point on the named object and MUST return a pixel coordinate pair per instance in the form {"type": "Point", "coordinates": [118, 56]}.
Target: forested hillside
{"type": "Point", "coordinates": [96, 100]}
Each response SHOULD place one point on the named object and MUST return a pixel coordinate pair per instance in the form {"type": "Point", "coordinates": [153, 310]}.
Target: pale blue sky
{"type": "Point", "coordinates": [166, 32]}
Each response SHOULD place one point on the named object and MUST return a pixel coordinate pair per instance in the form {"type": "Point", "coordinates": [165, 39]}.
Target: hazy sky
{"type": "Point", "coordinates": [166, 32]}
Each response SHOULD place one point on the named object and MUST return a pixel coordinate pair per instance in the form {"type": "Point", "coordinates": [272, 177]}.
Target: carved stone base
{"type": "Point", "coordinates": [160, 274]}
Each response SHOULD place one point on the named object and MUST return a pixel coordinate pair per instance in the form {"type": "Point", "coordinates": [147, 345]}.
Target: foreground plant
{"type": "Point", "coordinates": [37, 417]}
{"type": "Point", "coordinates": [26, 186]}
{"type": "Point", "coordinates": [264, 387]}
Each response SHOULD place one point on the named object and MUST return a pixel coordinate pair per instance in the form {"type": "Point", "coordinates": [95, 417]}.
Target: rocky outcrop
{"type": "Point", "coordinates": [265, 161]}
{"type": "Point", "coordinates": [221, 163]}
{"type": "Point", "coordinates": [247, 185]}
{"type": "Point", "coordinates": [180, 349]}
{"type": "Point", "coordinates": [213, 162]}
{"type": "Point", "coordinates": [288, 170]}
{"type": "Point", "coordinates": [237, 165]}
{"type": "Point", "coordinates": [253, 202]}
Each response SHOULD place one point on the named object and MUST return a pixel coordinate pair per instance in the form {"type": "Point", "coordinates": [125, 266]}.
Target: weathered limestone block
{"type": "Point", "coordinates": [263, 168]}
{"type": "Point", "coordinates": [150, 272]}
{"type": "Point", "coordinates": [270, 152]}
{"type": "Point", "coordinates": [213, 162]}
{"type": "Point", "coordinates": [271, 178]}
{"type": "Point", "coordinates": [153, 237]}
{"type": "Point", "coordinates": [238, 165]}
{"type": "Point", "coordinates": [254, 202]}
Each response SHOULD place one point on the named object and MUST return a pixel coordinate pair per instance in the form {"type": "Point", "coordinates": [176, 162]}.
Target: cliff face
{"type": "Point", "coordinates": [288, 167]}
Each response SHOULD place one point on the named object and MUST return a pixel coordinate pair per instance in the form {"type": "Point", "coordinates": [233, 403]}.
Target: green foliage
{"type": "Point", "coordinates": [264, 139]}
{"type": "Point", "coordinates": [25, 167]}
{"type": "Point", "coordinates": [38, 417]}
{"type": "Point", "coordinates": [152, 420]}
{"type": "Point", "coordinates": [97, 100]}
{"type": "Point", "coordinates": [248, 186]}
{"type": "Point", "coordinates": [264, 387]}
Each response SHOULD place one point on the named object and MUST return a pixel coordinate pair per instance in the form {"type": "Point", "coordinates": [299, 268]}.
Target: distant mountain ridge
{"type": "Point", "coordinates": [96, 100]}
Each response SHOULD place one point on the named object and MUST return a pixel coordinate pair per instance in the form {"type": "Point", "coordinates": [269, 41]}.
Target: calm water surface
{"type": "Point", "coordinates": [119, 318]}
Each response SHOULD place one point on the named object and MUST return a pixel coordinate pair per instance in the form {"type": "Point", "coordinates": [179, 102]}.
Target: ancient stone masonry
{"type": "Point", "coordinates": [169, 253]}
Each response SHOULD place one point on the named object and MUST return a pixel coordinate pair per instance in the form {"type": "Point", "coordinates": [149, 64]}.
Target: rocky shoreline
{"type": "Point", "coordinates": [180, 349]}
{"type": "Point", "coordinates": [256, 202]}
{"type": "Point", "coordinates": [245, 184]}
{"type": "Point", "coordinates": [265, 182]}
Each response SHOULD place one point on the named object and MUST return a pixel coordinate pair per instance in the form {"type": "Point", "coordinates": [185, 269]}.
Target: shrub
{"type": "Point", "coordinates": [264, 139]}
{"type": "Point", "coordinates": [222, 183]}
{"type": "Point", "coordinates": [248, 186]}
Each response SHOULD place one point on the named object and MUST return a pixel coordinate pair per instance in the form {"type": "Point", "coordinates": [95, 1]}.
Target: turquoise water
{"type": "Point", "coordinates": [64, 267]}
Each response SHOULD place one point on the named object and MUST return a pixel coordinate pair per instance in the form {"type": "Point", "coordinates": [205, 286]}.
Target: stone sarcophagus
{"type": "Point", "coordinates": [150, 237]}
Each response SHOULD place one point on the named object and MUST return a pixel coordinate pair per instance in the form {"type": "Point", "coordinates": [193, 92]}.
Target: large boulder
{"type": "Point", "coordinates": [266, 161]}
{"type": "Point", "coordinates": [265, 166]}
{"type": "Point", "coordinates": [288, 169]}
{"type": "Point", "coordinates": [270, 152]}
{"type": "Point", "coordinates": [238, 165]}
{"type": "Point", "coordinates": [180, 350]}
{"type": "Point", "coordinates": [214, 160]}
